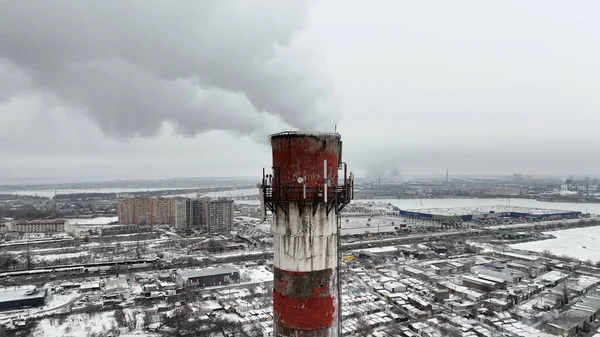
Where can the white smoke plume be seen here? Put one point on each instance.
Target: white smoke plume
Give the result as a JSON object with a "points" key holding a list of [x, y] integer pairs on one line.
{"points": [[132, 66]]}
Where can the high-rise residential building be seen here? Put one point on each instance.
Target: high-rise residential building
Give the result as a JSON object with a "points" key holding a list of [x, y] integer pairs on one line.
{"points": [[152, 211], [181, 214], [217, 215], [194, 209], [206, 214]]}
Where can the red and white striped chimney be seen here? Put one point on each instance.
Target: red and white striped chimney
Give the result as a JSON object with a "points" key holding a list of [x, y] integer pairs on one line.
{"points": [[305, 197]]}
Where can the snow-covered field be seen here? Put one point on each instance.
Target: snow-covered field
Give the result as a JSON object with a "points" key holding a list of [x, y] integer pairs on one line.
{"points": [[258, 274], [58, 300], [88, 325], [448, 203], [56, 257], [94, 221], [49, 193], [227, 193], [232, 193], [376, 224], [580, 243], [80, 325]]}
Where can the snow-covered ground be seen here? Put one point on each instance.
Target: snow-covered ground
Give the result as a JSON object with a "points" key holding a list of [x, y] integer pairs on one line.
{"points": [[56, 257], [94, 221], [228, 193], [257, 274], [232, 193], [49, 193], [360, 225], [242, 253], [448, 203], [80, 325], [57, 300], [95, 324], [580, 243]]}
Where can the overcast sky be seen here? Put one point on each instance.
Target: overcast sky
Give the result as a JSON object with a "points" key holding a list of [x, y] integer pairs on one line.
{"points": [[94, 90]]}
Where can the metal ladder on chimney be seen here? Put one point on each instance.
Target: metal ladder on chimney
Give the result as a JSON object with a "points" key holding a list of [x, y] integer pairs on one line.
{"points": [[339, 272]]}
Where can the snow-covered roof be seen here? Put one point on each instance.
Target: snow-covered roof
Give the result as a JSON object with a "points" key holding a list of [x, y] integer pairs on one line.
{"points": [[117, 285], [20, 293], [187, 274]]}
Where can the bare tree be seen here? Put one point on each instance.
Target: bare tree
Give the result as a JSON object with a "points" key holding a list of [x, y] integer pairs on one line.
{"points": [[450, 331], [363, 329], [120, 317], [565, 294], [547, 253]]}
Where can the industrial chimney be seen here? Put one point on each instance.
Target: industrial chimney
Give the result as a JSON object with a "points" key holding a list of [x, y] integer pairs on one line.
{"points": [[305, 195]]}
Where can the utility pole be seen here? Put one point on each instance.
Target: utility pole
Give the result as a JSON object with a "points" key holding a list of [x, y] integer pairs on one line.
{"points": [[447, 183], [28, 261], [137, 247], [55, 207]]}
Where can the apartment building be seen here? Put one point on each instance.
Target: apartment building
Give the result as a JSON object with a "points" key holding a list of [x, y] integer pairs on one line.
{"points": [[152, 211], [43, 226], [181, 214], [206, 214], [217, 215]]}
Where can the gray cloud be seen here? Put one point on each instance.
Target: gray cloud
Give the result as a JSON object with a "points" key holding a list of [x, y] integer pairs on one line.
{"points": [[198, 65], [112, 89]]}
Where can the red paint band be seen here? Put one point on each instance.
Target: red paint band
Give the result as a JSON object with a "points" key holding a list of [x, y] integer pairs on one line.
{"points": [[302, 156], [303, 313]]}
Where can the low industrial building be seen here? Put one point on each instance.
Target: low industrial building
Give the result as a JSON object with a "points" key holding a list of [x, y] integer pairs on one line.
{"points": [[577, 318], [20, 297], [123, 229], [487, 212], [41, 226], [495, 304], [394, 287], [507, 275], [208, 277], [89, 287], [477, 283], [551, 278]]}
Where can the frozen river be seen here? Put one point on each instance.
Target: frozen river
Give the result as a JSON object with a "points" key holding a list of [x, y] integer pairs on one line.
{"points": [[49, 193], [451, 203], [580, 243], [401, 203]]}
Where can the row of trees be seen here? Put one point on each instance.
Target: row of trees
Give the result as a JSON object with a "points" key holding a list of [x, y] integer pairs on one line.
{"points": [[183, 326], [589, 263]]}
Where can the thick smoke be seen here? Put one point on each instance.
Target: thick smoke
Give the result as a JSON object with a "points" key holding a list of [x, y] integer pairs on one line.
{"points": [[133, 66], [376, 169]]}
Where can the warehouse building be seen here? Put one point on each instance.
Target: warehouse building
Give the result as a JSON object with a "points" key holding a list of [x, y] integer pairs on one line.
{"points": [[14, 298], [579, 318], [477, 283], [487, 212], [207, 277]]}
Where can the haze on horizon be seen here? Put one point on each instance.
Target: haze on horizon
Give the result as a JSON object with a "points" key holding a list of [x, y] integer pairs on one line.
{"points": [[194, 89]]}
